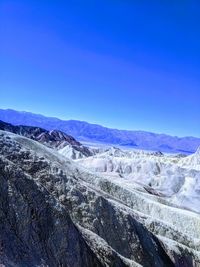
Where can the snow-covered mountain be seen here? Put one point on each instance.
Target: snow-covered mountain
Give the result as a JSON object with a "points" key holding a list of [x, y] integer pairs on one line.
{"points": [[84, 131]]}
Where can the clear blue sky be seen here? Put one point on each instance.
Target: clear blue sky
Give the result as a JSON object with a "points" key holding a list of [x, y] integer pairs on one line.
{"points": [[124, 64]]}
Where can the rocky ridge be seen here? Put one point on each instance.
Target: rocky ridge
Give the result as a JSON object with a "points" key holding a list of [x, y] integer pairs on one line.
{"points": [[66, 144], [174, 177], [105, 223]]}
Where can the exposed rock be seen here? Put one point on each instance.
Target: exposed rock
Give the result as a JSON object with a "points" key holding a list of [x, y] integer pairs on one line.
{"points": [[109, 226], [192, 161], [35, 229], [170, 176], [54, 139]]}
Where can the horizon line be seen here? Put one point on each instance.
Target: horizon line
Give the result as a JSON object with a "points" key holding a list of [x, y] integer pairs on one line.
{"points": [[91, 123]]}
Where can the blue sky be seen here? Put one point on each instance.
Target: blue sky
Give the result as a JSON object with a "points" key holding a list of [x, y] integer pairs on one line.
{"points": [[123, 64]]}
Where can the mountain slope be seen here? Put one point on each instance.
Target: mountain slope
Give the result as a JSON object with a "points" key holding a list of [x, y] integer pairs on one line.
{"points": [[84, 131], [175, 178], [103, 224], [66, 144]]}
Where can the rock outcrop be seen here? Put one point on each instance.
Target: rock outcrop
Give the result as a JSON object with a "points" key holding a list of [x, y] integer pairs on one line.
{"points": [[66, 144], [175, 177], [56, 213]]}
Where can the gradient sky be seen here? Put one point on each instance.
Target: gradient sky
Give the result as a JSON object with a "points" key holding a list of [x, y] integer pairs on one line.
{"points": [[125, 64]]}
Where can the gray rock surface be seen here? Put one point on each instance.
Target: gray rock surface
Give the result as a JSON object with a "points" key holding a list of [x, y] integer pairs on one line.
{"points": [[55, 213], [35, 229]]}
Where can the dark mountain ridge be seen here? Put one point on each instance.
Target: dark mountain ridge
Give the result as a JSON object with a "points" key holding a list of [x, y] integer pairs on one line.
{"points": [[54, 138], [84, 131]]}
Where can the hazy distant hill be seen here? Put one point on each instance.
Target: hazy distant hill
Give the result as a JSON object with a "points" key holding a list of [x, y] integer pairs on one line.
{"points": [[96, 133]]}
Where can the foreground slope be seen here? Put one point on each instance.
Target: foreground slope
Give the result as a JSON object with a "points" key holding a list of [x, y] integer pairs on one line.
{"points": [[84, 131], [63, 215]]}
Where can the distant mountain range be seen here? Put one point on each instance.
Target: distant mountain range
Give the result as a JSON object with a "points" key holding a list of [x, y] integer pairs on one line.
{"points": [[84, 131]]}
